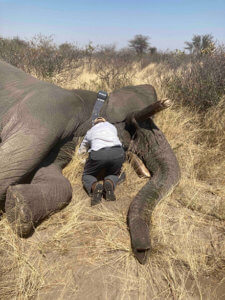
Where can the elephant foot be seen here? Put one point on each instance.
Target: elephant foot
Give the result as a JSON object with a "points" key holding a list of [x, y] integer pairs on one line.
{"points": [[18, 212], [139, 232], [141, 256]]}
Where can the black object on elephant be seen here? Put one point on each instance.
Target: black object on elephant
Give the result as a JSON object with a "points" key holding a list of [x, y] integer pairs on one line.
{"points": [[101, 97], [40, 126]]}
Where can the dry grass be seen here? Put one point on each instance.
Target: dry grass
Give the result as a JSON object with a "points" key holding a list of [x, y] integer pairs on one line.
{"points": [[84, 252]]}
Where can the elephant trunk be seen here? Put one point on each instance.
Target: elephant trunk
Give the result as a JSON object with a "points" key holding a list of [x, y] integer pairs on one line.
{"points": [[160, 160]]}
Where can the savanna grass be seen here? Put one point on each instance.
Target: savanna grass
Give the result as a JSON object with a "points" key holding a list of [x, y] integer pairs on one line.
{"points": [[80, 245]]}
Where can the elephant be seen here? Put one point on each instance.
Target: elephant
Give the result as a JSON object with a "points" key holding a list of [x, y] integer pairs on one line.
{"points": [[41, 124]]}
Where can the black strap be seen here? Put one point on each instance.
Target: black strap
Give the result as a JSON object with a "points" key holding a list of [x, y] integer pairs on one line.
{"points": [[101, 97]]}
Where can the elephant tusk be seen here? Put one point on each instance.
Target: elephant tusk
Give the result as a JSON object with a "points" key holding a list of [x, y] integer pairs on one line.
{"points": [[138, 165], [150, 110]]}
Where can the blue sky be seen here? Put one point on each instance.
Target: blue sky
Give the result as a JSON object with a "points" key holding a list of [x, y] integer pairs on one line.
{"points": [[169, 23]]}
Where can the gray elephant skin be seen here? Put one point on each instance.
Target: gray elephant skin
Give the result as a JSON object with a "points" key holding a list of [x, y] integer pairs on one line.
{"points": [[40, 125]]}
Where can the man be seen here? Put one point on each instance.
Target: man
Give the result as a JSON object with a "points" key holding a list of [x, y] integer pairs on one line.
{"points": [[105, 160]]}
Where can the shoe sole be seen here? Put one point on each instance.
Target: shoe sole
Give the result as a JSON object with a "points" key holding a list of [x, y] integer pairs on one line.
{"points": [[97, 195], [109, 193]]}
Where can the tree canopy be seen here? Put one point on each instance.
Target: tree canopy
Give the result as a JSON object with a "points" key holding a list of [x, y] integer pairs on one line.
{"points": [[201, 44], [140, 43]]}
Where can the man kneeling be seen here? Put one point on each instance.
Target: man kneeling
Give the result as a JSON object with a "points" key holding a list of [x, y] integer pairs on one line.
{"points": [[106, 156]]}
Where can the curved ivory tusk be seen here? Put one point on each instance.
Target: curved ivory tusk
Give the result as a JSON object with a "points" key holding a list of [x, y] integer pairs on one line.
{"points": [[138, 165], [166, 102]]}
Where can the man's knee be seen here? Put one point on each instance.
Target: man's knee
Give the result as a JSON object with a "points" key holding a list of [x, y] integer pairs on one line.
{"points": [[88, 181], [113, 179]]}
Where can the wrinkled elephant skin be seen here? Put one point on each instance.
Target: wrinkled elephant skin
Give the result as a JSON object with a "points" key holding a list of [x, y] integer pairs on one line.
{"points": [[40, 124]]}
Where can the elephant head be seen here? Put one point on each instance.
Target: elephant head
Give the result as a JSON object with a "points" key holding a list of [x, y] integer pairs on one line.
{"points": [[40, 121], [131, 109]]}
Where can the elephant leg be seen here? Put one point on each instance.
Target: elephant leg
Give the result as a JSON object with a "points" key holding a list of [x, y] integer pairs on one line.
{"points": [[28, 204], [21, 151]]}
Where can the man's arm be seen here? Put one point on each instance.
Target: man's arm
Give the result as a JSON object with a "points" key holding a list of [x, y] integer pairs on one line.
{"points": [[84, 145]]}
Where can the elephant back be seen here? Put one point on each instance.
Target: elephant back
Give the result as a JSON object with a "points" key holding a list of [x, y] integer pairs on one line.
{"points": [[53, 106], [13, 83], [126, 100]]}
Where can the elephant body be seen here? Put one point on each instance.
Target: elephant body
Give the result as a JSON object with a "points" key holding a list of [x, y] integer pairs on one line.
{"points": [[35, 122], [39, 122]]}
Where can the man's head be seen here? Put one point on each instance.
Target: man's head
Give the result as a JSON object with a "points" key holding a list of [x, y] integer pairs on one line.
{"points": [[99, 120]]}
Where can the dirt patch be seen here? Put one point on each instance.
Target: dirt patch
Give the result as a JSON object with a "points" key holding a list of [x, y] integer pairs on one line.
{"points": [[84, 252]]}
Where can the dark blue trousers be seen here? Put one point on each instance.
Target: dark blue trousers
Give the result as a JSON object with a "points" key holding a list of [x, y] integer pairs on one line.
{"points": [[103, 164]]}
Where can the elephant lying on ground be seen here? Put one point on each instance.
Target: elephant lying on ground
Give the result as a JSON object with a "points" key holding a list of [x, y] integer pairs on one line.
{"points": [[40, 122]]}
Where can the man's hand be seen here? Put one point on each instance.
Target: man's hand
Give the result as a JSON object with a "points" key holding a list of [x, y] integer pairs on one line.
{"points": [[82, 150]]}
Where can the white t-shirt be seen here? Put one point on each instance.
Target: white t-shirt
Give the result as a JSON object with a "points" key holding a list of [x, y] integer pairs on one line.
{"points": [[101, 135]]}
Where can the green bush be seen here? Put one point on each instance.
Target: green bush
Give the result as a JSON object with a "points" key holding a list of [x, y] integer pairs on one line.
{"points": [[201, 82], [113, 68], [14, 51], [40, 55]]}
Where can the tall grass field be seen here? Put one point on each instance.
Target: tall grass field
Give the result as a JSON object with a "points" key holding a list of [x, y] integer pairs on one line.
{"points": [[84, 252]]}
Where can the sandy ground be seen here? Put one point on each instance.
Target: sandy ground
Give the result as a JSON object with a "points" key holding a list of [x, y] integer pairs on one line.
{"points": [[84, 252]]}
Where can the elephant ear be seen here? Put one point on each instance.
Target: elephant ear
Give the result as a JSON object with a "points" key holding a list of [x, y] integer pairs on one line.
{"points": [[127, 100]]}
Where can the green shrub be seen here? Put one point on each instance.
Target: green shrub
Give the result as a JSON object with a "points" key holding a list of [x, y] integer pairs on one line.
{"points": [[14, 51], [201, 82], [114, 69], [39, 56]]}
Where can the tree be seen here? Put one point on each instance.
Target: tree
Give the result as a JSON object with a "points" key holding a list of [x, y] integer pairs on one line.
{"points": [[139, 43], [66, 47], [201, 44], [152, 50]]}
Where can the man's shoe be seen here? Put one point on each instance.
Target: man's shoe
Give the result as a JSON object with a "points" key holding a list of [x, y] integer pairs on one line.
{"points": [[109, 191], [97, 194]]}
